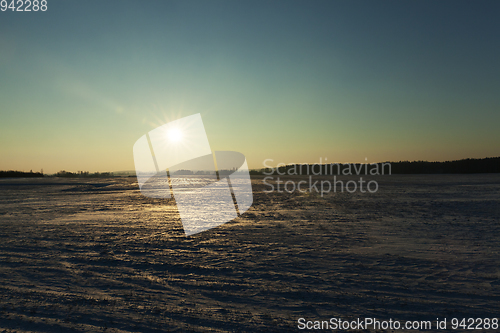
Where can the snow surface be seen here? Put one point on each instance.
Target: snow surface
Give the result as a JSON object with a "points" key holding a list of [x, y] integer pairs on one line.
{"points": [[92, 255]]}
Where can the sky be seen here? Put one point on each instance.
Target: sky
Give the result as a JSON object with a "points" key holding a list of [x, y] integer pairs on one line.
{"points": [[287, 81]]}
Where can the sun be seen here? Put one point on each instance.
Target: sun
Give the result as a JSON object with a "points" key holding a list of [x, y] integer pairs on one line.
{"points": [[174, 135]]}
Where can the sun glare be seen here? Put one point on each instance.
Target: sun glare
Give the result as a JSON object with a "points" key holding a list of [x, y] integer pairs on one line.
{"points": [[174, 135]]}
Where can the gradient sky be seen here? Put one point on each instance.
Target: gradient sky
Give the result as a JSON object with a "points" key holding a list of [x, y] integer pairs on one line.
{"points": [[291, 81]]}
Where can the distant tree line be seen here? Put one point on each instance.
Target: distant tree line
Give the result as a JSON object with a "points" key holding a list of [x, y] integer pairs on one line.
{"points": [[469, 165], [203, 172], [20, 174], [190, 172], [83, 174]]}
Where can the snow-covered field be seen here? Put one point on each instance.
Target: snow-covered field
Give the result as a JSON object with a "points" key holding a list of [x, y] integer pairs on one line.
{"points": [[95, 255]]}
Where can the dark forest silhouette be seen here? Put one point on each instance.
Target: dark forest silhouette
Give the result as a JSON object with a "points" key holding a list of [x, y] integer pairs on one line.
{"points": [[18, 174], [83, 174], [469, 165], [64, 174]]}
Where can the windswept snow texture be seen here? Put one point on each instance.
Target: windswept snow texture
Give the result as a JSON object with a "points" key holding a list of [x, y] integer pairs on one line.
{"points": [[94, 255]]}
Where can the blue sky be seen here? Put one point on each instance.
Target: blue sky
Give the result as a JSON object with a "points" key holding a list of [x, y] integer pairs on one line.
{"points": [[292, 81]]}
